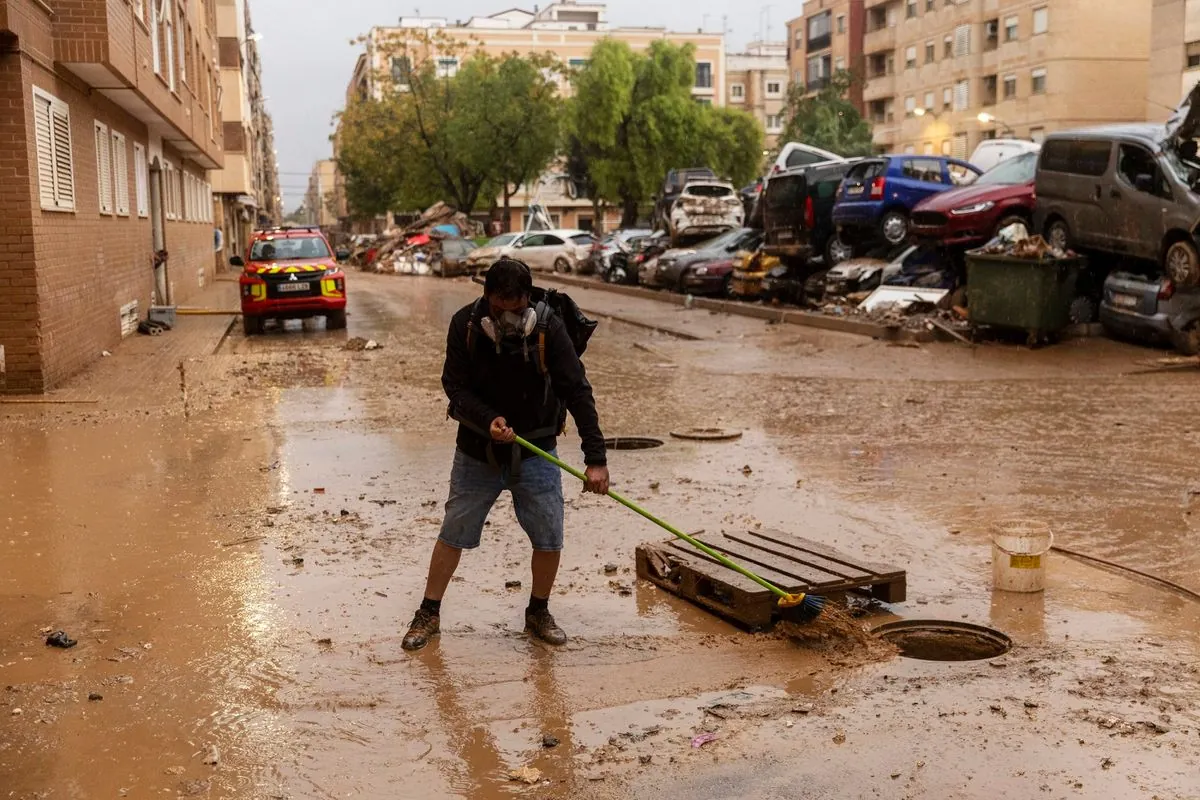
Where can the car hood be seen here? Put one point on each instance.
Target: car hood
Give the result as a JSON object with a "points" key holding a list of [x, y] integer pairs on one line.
{"points": [[290, 267], [1184, 124], [855, 268], [970, 195]]}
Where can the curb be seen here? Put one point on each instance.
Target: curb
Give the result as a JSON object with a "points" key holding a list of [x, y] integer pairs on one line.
{"points": [[770, 314]]}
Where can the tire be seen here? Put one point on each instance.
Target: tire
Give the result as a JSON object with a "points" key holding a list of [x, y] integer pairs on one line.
{"points": [[253, 325], [561, 265], [837, 251], [335, 320], [1058, 235], [1181, 263], [814, 287], [1011, 219], [1187, 341], [727, 287], [894, 227], [1083, 311]]}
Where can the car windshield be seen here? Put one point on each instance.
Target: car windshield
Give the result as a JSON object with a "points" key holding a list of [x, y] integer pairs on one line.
{"points": [[724, 241], [289, 249], [503, 239], [1186, 171], [1011, 171]]}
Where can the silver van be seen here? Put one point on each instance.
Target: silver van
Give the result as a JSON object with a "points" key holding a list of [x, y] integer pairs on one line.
{"points": [[1123, 189]]}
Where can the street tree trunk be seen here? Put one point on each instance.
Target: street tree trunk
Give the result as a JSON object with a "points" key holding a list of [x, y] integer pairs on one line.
{"points": [[629, 211]]}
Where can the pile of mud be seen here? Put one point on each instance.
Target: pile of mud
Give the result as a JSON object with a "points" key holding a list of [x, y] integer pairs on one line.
{"points": [[838, 636]]}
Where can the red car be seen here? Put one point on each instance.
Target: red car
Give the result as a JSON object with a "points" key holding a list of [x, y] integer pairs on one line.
{"points": [[290, 273], [971, 215]]}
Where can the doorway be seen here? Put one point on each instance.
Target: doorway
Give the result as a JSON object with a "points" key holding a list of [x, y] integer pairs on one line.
{"points": [[158, 236]]}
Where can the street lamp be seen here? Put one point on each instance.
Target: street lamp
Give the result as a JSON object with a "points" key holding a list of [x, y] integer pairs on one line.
{"points": [[990, 119]]}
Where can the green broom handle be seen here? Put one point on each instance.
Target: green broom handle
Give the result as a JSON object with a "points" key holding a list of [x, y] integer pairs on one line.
{"points": [[632, 506]]}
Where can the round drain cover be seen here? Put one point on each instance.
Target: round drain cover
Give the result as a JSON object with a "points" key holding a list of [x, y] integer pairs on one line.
{"points": [[707, 434], [944, 640], [632, 443]]}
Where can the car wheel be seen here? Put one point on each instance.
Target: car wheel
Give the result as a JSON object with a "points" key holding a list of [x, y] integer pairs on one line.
{"points": [[1187, 341], [615, 275], [727, 286], [1058, 235], [894, 227], [814, 287], [1083, 311], [563, 266], [1182, 264], [335, 320], [252, 325], [837, 250], [1011, 219]]}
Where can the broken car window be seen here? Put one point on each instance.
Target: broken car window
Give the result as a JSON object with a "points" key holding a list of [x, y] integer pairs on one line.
{"points": [[1134, 161], [1011, 171], [707, 190]]}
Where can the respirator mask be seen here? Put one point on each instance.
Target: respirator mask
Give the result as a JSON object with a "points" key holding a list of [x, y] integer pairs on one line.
{"points": [[511, 325]]}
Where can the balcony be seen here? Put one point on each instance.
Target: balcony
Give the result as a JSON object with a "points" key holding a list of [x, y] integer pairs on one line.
{"points": [[880, 39], [822, 42], [817, 84], [882, 88]]}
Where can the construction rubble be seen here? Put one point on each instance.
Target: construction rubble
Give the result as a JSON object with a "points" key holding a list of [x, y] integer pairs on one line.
{"points": [[416, 248]]}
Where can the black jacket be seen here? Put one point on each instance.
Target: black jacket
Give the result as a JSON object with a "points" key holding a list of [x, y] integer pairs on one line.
{"points": [[485, 384]]}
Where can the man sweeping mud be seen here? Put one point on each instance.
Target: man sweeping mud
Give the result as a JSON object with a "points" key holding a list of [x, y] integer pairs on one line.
{"points": [[511, 368]]}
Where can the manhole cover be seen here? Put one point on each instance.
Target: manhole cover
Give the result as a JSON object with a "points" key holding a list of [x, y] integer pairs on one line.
{"points": [[707, 434], [632, 443], [944, 640]]}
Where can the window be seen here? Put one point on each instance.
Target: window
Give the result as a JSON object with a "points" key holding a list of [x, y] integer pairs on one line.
{"points": [[910, 9], [928, 149], [947, 98], [962, 40], [52, 131], [1038, 82], [929, 6], [819, 30], [577, 63], [1078, 157], [910, 58], [141, 180], [155, 52], [1138, 169], [945, 147], [948, 46], [928, 101], [1041, 20], [182, 49], [104, 177], [1010, 87], [774, 89], [959, 148], [168, 173], [1010, 29], [447, 67], [401, 70], [910, 105], [841, 23], [120, 168], [989, 90], [909, 149], [169, 38], [930, 52], [774, 123], [737, 91], [818, 72], [1193, 60], [961, 175], [704, 74], [991, 35], [962, 95], [839, 64], [926, 170]]}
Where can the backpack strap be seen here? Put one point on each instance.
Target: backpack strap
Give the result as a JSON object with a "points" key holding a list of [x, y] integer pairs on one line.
{"points": [[472, 324]]}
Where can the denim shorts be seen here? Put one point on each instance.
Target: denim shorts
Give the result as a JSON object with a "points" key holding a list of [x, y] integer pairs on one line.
{"points": [[476, 485]]}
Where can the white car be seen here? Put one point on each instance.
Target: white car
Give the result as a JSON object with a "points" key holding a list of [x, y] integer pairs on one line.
{"points": [[705, 208], [544, 251], [795, 154], [991, 152]]}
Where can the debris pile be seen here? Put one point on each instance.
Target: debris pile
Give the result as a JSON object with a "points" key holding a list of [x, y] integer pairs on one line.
{"points": [[416, 248], [1015, 242]]}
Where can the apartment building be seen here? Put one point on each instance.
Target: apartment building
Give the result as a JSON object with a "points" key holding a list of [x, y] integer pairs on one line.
{"points": [[758, 84], [569, 30], [109, 129], [828, 39], [247, 187], [1174, 55], [942, 75], [321, 200]]}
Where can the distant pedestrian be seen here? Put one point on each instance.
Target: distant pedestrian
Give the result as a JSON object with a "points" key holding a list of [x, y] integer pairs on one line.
{"points": [[497, 387]]}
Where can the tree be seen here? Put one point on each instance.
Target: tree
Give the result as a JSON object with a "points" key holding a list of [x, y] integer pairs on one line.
{"points": [[828, 119], [734, 141]]}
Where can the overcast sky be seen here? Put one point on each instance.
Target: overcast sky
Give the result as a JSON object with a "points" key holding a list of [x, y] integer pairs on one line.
{"points": [[307, 55]]}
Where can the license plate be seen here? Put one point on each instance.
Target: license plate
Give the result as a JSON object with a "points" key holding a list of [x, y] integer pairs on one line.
{"points": [[1125, 300], [854, 189], [294, 287]]}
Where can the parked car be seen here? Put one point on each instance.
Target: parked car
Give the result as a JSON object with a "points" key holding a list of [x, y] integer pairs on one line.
{"points": [[671, 189], [798, 213], [455, 258], [543, 251], [795, 154], [991, 152], [625, 264], [602, 251], [970, 216], [290, 273], [1123, 189], [878, 194], [704, 209], [1152, 310], [705, 269], [750, 195]]}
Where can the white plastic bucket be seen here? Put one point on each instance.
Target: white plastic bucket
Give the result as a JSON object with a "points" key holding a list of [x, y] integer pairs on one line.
{"points": [[1019, 552]]}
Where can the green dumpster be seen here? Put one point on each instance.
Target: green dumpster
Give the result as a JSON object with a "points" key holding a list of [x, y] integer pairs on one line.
{"points": [[1033, 295]]}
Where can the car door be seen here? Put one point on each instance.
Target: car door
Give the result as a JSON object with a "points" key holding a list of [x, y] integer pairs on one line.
{"points": [[1091, 186], [920, 178], [1138, 202], [540, 250]]}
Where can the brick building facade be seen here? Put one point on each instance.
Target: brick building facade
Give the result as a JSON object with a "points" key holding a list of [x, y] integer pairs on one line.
{"points": [[107, 137]]}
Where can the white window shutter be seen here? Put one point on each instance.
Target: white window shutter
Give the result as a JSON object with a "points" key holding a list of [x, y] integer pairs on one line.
{"points": [[120, 164], [962, 40], [959, 149], [44, 135], [962, 96], [141, 180], [64, 173], [104, 168]]}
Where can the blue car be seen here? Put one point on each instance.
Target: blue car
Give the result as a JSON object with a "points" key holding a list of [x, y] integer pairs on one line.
{"points": [[878, 194]]}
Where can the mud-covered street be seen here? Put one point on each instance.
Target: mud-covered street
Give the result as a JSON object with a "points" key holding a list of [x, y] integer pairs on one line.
{"points": [[238, 560]]}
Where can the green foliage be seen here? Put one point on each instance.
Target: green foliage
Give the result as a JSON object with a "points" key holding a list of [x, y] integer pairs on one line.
{"points": [[734, 143], [828, 119]]}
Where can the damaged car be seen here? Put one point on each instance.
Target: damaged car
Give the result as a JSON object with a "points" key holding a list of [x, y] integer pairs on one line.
{"points": [[703, 209], [798, 213], [970, 216], [678, 268]]}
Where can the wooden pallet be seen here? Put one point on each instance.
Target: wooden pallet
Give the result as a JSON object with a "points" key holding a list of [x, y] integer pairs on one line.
{"points": [[791, 563]]}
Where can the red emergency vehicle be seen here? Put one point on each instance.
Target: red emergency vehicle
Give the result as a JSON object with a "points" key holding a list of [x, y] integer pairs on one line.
{"points": [[290, 273]]}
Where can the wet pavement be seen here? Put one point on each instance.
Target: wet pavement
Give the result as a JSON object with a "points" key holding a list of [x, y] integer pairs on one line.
{"points": [[239, 579]]}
